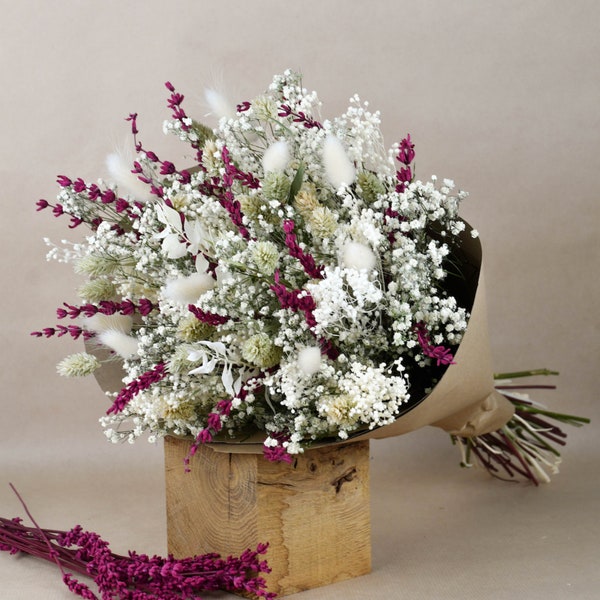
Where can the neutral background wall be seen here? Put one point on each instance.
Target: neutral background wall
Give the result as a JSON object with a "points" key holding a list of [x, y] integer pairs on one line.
{"points": [[502, 96]]}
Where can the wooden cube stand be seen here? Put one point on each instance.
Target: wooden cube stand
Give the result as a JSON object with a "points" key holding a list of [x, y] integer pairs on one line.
{"points": [[314, 514]]}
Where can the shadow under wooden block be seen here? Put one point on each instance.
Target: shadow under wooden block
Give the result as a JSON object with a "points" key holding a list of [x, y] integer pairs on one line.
{"points": [[314, 514]]}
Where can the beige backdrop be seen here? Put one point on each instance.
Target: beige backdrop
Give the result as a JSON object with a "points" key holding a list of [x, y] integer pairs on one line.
{"points": [[502, 96]]}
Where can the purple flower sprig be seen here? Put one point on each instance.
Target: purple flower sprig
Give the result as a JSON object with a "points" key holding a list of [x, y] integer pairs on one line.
{"points": [[206, 317], [278, 453], [163, 167], [443, 356], [116, 210], [60, 330], [221, 190], [174, 103], [285, 110], [295, 300], [406, 155], [106, 307], [58, 210], [135, 576], [232, 172], [214, 425], [143, 382], [302, 301], [307, 261]]}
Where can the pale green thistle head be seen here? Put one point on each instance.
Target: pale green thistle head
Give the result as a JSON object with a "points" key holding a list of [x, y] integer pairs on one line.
{"points": [[323, 222], [203, 132], [306, 200], [276, 186], [191, 329], [265, 108], [250, 205], [265, 256], [179, 361], [259, 350]]}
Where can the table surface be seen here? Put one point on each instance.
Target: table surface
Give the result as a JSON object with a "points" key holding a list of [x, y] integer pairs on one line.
{"points": [[438, 531]]}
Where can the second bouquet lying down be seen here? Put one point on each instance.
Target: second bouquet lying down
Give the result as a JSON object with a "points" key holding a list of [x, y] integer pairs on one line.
{"points": [[297, 282]]}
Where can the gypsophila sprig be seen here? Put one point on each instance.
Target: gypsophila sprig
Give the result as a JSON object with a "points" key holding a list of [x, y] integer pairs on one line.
{"points": [[294, 280]]}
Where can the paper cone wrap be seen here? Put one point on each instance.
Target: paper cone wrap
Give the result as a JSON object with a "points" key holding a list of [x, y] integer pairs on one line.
{"points": [[464, 402]]}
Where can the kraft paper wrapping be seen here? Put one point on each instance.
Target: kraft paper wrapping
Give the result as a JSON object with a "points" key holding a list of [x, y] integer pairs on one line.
{"points": [[464, 401]]}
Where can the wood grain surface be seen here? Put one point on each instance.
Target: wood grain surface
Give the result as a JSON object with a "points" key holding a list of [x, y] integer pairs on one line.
{"points": [[314, 514]]}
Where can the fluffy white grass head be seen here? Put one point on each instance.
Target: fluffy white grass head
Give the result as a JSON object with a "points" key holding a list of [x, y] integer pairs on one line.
{"points": [[338, 168], [119, 165], [276, 157], [309, 359], [358, 256], [124, 345], [116, 322], [218, 104], [187, 290]]}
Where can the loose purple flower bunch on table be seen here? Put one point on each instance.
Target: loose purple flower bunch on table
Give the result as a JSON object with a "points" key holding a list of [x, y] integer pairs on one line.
{"points": [[135, 576]]}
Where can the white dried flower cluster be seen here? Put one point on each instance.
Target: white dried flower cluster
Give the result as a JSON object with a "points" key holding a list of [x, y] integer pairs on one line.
{"points": [[295, 278]]}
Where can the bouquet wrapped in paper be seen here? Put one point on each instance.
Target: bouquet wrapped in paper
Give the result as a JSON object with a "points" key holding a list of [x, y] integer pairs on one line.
{"points": [[294, 289], [296, 286]]}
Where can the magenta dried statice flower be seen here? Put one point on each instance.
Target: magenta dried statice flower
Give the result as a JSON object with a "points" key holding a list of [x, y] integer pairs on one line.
{"points": [[406, 155], [443, 356], [60, 330], [299, 117], [143, 382], [311, 268], [106, 307]]}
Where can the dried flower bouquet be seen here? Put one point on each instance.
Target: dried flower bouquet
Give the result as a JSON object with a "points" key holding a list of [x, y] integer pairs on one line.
{"points": [[296, 281], [296, 286]]}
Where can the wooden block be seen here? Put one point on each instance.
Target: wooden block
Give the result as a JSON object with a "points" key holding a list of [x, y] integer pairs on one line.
{"points": [[315, 514]]}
